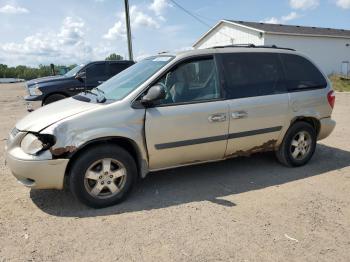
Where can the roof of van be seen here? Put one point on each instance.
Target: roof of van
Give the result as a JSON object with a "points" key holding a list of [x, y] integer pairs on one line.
{"points": [[112, 61], [233, 49]]}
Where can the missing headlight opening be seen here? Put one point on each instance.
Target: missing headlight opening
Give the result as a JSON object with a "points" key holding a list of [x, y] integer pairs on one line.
{"points": [[47, 140]]}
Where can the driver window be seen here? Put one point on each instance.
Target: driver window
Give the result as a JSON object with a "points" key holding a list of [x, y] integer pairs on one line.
{"points": [[191, 81]]}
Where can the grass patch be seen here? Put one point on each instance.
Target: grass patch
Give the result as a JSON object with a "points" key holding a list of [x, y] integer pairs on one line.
{"points": [[340, 84]]}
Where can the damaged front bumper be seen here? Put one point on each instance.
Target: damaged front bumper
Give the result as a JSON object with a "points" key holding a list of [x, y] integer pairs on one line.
{"points": [[39, 172]]}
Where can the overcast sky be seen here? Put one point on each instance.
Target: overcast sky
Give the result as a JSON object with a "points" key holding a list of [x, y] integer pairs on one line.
{"points": [[75, 31]]}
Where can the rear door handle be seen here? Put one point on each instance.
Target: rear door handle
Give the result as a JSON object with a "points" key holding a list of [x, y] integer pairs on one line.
{"points": [[221, 117], [239, 114], [100, 82]]}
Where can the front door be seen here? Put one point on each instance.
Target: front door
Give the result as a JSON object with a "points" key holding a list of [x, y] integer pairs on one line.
{"points": [[258, 101], [191, 124]]}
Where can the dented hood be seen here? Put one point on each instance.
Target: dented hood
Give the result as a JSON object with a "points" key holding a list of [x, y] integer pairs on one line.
{"points": [[52, 113]]}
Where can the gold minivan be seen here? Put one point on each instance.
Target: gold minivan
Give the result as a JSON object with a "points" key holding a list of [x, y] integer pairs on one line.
{"points": [[170, 110]]}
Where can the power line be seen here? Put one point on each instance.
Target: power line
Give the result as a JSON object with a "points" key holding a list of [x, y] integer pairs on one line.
{"points": [[189, 13], [198, 19], [205, 17]]}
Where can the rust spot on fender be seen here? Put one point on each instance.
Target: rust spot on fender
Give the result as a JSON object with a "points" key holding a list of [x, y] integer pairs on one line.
{"points": [[268, 146], [62, 150]]}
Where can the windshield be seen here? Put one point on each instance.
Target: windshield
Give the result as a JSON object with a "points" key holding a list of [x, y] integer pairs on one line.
{"points": [[74, 71], [128, 80]]}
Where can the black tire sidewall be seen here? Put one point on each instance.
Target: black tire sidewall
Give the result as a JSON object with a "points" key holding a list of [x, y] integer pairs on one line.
{"points": [[53, 98], [84, 161], [297, 127]]}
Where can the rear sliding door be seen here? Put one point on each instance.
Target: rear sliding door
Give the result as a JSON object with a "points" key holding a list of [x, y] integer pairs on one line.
{"points": [[258, 101]]}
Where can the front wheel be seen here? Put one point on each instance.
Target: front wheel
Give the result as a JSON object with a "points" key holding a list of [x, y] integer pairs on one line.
{"points": [[103, 176], [298, 145], [53, 98]]}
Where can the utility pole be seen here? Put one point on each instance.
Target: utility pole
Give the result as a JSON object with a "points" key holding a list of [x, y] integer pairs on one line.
{"points": [[128, 29]]}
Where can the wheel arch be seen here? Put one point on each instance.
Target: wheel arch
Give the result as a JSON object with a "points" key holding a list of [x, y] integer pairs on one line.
{"points": [[129, 145], [313, 121]]}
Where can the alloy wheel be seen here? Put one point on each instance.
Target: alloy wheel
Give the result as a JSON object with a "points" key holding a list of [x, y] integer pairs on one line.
{"points": [[301, 145], [105, 178]]}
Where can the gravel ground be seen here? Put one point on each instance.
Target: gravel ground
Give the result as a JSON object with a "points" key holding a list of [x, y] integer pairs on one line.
{"points": [[246, 209]]}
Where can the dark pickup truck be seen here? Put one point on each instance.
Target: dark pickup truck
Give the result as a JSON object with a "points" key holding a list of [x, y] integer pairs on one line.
{"points": [[43, 91]]}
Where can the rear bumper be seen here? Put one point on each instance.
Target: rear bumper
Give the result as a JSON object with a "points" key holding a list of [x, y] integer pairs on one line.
{"points": [[38, 174], [327, 126]]}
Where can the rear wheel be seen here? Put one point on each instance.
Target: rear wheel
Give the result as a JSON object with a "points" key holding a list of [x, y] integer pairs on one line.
{"points": [[53, 98], [103, 176], [298, 145]]}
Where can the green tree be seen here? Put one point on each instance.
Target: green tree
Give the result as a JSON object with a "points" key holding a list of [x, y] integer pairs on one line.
{"points": [[26, 72], [3, 69], [114, 56], [72, 66]]}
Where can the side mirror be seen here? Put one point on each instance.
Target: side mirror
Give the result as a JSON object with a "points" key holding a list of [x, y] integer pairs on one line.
{"points": [[81, 76], [154, 94]]}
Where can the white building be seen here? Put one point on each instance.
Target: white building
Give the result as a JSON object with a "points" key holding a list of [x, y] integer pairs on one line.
{"points": [[329, 48]]}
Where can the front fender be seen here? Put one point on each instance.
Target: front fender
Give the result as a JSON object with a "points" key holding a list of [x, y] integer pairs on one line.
{"points": [[73, 133]]}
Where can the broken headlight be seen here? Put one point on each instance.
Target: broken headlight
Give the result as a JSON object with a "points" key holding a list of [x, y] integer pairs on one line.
{"points": [[32, 144]]}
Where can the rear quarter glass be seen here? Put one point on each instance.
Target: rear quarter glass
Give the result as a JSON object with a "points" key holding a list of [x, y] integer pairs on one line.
{"points": [[301, 74]]}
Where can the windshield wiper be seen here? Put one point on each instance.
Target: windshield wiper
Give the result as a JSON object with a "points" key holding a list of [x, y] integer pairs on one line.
{"points": [[101, 94], [89, 92], [99, 90]]}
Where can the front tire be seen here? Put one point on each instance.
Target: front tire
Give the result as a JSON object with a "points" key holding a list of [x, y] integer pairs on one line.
{"points": [[298, 145], [53, 98], [103, 176]]}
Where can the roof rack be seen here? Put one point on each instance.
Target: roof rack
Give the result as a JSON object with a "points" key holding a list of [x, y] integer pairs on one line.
{"points": [[254, 46]]}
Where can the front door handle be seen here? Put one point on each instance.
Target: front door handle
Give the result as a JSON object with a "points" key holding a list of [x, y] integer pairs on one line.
{"points": [[221, 117], [239, 114], [100, 82]]}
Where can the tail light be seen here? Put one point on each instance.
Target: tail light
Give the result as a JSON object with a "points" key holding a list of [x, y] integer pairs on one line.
{"points": [[331, 98]]}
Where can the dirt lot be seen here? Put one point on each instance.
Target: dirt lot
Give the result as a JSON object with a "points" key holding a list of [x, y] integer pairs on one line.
{"points": [[246, 209]]}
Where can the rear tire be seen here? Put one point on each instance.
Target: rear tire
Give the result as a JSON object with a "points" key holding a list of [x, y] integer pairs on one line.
{"points": [[103, 176], [298, 145], [53, 98]]}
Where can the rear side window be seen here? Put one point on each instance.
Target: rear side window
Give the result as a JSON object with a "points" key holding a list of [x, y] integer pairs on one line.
{"points": [[301, 74], [116, 68], [252, 74]]}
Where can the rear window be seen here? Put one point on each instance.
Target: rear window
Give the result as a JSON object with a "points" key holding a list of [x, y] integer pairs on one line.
{"points": [[252, 74], [301, 74]]}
